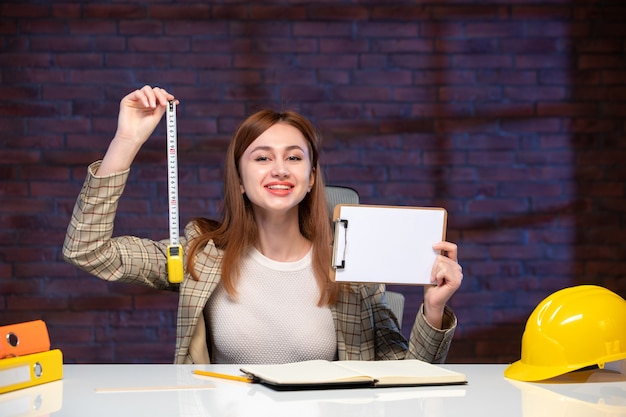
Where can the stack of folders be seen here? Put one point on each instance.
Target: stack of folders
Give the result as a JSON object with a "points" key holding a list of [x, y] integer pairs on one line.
{"points": [[26, 359]]}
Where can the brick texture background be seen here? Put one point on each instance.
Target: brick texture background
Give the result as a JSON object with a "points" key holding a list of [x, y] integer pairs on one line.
{"points": [[508, 113]]}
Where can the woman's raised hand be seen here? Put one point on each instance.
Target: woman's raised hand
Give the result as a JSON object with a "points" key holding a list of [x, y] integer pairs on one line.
{"points": [[140, 113], [446, 278]]}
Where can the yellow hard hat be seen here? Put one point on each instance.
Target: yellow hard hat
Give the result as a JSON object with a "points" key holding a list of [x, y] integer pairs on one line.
{"points": [[569, 330]]}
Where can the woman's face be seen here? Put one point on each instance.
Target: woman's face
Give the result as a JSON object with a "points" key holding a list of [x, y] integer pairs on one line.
{"points": [[276, 170]]}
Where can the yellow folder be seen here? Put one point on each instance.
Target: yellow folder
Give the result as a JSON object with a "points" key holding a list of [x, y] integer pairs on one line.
{"points": [[30, 370]]}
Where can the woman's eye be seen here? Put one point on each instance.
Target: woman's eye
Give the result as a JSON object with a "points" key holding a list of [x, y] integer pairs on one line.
{"points": [[261, 159], [294, 158]]}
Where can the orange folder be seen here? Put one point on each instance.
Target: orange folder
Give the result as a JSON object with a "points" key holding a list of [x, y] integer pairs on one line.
{"points": [[23, 339]]}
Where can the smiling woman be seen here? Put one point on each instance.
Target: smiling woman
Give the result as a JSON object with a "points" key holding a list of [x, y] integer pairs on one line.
{"points": [[257, 287], [272, 162]]}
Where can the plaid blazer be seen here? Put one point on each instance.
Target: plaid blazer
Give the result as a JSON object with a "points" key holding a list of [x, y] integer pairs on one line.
{"points": [[366, 328]]}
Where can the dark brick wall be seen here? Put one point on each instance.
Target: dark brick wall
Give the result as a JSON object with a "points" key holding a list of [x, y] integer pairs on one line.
{"points": [[508, 113]]}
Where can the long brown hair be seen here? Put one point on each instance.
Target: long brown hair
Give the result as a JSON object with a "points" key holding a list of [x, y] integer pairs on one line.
{"points": [[237, 230]]}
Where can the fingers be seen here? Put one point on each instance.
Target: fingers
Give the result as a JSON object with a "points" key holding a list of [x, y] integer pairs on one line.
{"points": [[450, 249], [446, 271], [140, 112], [150, 96], [446, 268]]}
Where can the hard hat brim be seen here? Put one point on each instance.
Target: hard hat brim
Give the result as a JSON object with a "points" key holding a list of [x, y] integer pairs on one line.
{"points": [[521, 371]]}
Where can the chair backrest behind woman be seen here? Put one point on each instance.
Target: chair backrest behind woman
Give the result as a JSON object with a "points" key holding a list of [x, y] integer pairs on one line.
{"points": [[336, 194]]}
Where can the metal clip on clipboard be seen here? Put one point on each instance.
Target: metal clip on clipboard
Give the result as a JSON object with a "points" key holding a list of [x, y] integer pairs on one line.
{"points": [[340, 239]]}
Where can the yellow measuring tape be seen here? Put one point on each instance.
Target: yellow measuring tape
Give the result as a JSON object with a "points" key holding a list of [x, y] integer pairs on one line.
{"points": [[175, 272]]}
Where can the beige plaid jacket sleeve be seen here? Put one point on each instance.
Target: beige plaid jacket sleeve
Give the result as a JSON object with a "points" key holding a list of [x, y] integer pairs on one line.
{"points": [[366, 328]]}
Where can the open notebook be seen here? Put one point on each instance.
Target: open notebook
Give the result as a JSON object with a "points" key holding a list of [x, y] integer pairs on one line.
{"points": [[320, 374]]}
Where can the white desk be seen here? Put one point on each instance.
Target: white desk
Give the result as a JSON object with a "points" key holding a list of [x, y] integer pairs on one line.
{"points": [[488, 393]]}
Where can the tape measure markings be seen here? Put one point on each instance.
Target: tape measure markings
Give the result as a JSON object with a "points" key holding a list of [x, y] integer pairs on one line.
{"points": [[174, 250]]}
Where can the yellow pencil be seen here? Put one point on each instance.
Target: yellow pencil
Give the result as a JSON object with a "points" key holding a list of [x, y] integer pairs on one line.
{"points": [[223, 376]]}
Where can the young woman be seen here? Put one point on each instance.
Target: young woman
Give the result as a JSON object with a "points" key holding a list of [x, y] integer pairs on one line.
{"points": [[256, 287]]}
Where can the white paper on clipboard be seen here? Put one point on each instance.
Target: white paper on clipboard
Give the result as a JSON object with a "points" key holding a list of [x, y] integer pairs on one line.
{"points": [[386, 244]]}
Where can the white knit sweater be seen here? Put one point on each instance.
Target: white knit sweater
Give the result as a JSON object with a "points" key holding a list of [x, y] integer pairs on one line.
{"points": [[274, 318]]}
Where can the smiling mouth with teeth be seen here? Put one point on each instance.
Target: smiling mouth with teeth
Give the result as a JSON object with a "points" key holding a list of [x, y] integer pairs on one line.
{"points": [[278, 187]]}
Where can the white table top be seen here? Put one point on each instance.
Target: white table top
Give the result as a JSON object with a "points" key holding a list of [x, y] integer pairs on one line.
{"points": [[172, 390]]}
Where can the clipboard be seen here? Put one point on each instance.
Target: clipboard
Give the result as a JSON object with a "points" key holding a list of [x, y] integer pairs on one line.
{"points": [[386, 244]]}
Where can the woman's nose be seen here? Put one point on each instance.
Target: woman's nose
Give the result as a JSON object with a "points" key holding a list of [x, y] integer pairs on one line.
{"points": [[280, 170]]}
